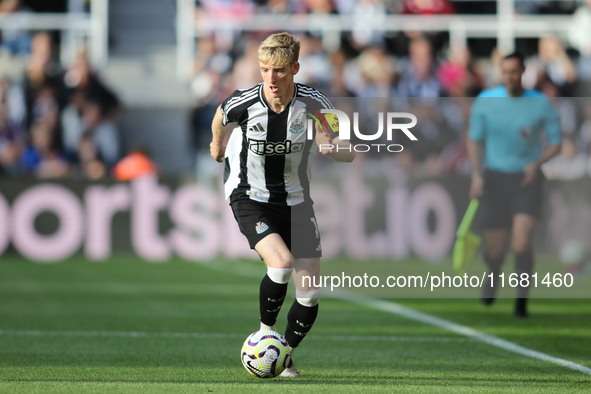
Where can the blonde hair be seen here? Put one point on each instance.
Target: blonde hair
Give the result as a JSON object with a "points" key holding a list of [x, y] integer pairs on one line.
{"points": [[279, 49]]}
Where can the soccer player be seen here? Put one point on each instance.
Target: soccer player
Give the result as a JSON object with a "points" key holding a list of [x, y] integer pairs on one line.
{"points": [[267, 180], [517, 130]]}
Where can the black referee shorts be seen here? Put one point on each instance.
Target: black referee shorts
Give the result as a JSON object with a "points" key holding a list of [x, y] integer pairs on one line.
{"points": [[504, 196], [296, 225]]}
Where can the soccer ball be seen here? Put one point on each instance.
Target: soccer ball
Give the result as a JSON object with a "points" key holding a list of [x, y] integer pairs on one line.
{"points": [[265, 354]]}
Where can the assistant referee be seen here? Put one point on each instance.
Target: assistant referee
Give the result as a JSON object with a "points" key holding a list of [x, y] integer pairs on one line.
{"points": [[515, 131]]}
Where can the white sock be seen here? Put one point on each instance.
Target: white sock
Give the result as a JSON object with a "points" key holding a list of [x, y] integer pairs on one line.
{"points": [[291, 358], [265, 327]]}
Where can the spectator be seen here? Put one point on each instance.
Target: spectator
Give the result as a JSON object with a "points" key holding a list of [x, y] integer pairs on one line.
{"points": [[11, 142], [437, 39], [225, 9], [565, 106], [320, 7], [41, 158], [42, 78], [13, 95], [434, 134], [72, 124], [282, 7], [338, 85], [552, 60], [458, 76], [377, 71], [246, 70], [454, 158], [571, 164], [368, 15], [417, 74], [315, 67], [15, 41], [584, 133], [428, 7], [90, 164], [102, 130], [45, 107], [210, 67], [86, 90]]}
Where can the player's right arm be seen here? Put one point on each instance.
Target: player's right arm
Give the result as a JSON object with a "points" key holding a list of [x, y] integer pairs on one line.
{"points": [[230, 112], [217, 147], [553, 143]]}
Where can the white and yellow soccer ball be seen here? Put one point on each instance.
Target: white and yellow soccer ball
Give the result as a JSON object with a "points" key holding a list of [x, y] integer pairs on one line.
{"points": [[265, 354]]}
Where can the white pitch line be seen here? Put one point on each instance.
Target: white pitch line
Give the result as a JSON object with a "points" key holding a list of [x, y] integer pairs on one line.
{"points": [[397, 309], [202, 335]]}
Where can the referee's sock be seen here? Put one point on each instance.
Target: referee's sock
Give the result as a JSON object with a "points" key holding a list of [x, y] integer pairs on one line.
{"points": [[489, 290], [271, 295], [524, 263]]}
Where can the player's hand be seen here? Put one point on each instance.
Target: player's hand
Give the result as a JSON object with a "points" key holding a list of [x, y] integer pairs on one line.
{"points": [[530, 173], [217, 151], [324, 140], [477, 186]]}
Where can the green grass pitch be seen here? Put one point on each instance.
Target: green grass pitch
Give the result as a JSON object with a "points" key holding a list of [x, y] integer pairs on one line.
{"points": [[128, 326]]}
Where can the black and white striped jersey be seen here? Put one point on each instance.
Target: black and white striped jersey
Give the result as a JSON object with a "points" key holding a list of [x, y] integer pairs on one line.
{"points": [[268, 154]]}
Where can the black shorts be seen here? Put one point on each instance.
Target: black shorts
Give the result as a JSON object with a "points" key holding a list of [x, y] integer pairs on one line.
{"points": [[296, 225], [504, 196]]}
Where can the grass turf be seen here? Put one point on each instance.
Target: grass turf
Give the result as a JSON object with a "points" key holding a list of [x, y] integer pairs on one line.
{"points": [[130, 326]]}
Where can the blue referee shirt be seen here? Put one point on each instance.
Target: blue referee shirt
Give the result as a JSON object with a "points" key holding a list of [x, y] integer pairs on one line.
{"points": [[514, 129]]}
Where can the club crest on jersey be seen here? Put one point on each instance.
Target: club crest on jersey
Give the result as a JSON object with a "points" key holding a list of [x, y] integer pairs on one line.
{"points": [[261, 227], [262, 147], [298, 125]]}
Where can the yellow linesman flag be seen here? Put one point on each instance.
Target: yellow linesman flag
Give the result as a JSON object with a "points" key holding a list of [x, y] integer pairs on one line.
{"points": [[467, 242]]}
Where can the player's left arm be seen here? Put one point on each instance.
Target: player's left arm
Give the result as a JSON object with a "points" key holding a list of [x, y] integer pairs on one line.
{"points": [[553, 144], [327, 129], [340, 150]]}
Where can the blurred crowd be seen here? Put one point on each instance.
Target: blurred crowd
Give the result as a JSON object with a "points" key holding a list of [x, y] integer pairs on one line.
{"points": [[57, 122], [406, 65], [242, 8], [62, 120]]}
